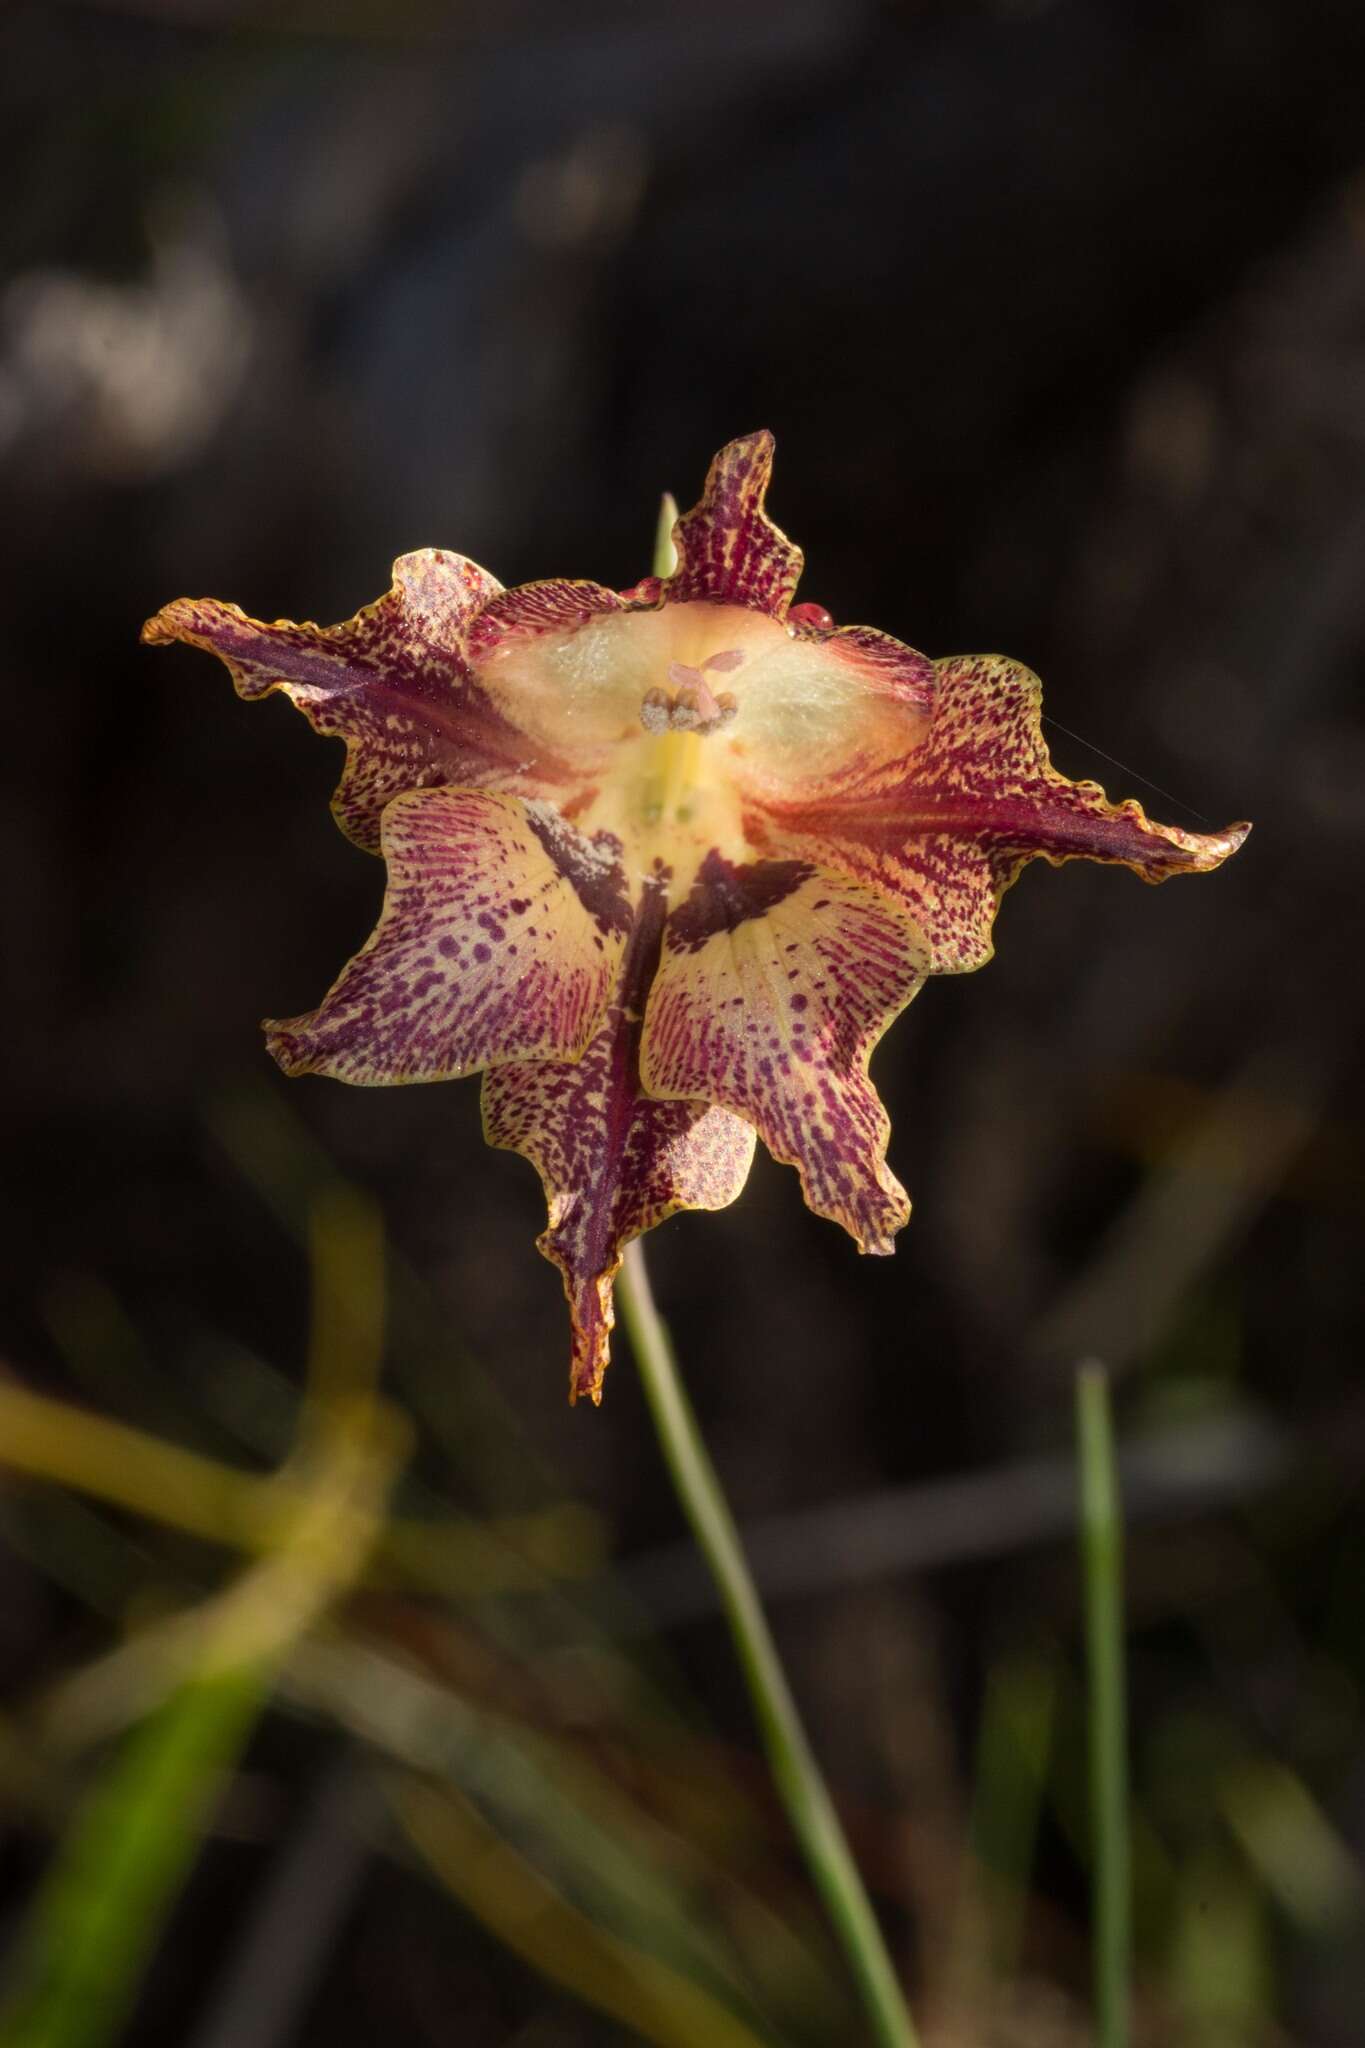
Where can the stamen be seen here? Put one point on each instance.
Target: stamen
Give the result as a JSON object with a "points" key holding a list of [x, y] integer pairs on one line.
{"points": [[656, 712], [695, 706]]}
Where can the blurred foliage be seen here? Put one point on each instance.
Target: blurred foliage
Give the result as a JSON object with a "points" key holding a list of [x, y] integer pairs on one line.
{"points": [[549, 1772]]}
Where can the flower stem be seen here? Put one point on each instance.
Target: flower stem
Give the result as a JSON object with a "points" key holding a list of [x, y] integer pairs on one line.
{"points": [[1102, 1558], [794, 1769]]}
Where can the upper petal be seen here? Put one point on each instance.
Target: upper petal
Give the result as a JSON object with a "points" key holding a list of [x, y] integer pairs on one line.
{"points": [[943, 825], [775, 984], [729, 551], [500, 938], [395, 682]]}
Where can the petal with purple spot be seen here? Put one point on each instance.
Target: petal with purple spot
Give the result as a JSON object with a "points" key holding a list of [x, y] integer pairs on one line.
{"points": [[500, 939], [395, 683], [729, 551], [613, 1163], [775, 984], [943, 826]]}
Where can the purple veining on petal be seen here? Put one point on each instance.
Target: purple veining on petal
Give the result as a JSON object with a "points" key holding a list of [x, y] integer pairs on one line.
{"points": [[944, 828], [485, 951], [882, 663], [554, 605], [613, 1162], [395, 683], [775, 1016], [729, 551]]}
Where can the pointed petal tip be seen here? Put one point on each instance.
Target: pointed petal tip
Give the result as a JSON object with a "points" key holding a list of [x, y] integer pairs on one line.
{"points": [[883, 1245], [729, 551], [166, 625], [593, 1317], [750, 455], [1204, 851], [285, 1047]]}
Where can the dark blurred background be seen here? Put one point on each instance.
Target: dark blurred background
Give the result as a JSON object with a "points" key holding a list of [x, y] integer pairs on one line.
{"points": [[1057, 312]]}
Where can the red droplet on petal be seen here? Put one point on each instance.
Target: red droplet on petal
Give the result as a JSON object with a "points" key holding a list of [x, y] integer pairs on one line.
{"points": [[813, 615]]}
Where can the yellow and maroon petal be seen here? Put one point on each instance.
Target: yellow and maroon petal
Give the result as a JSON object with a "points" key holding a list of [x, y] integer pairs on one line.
{"points": [[613, 1163], [556, 605], [945, 827], [501, 938], [729, 551], [775, 984], [395, 683], [883, 664]]}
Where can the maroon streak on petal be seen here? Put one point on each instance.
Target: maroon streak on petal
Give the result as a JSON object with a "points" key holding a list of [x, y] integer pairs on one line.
{"points": [[725, 896], [554, 606], [729, 551], [499, 940], [775, 1014], [598, 882], [885, 665], [944, 829], [613, 1163], [394, 682]]}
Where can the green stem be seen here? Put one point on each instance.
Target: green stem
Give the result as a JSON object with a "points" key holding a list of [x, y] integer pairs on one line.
{"points": [[794, 1769], [1102, 1557]]}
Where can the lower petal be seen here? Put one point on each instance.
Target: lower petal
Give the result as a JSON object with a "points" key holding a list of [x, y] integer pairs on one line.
{"points": [[500, 938], [776, 982], [613, 1163]]}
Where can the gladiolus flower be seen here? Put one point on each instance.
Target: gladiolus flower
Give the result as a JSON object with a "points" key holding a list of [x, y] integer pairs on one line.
{"points": [[665, 863]]}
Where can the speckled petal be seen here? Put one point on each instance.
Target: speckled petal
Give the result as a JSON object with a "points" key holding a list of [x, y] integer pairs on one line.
{"points": [[776, 982], [613, 1162], [501, 938], [943, 828], [729, 551], [556, 605], [395, 682]]}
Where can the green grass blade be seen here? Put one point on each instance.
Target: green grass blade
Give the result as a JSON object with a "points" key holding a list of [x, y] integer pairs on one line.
{"points": [[118, 1869], [1102, 1559]]}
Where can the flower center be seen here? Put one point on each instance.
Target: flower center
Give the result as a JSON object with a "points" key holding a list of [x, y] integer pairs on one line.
{"points": [[692, 705]]}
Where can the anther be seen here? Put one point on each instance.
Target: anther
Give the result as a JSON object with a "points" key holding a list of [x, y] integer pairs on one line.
{"points": [[692, 706], [656, 712]]}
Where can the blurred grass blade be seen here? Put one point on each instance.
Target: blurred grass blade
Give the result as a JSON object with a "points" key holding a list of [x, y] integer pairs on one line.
{"points": [[121, 1865], [1288, 1839], [665, 553], [1102, 1559], [1221, 1968], [536, 1922], [203, 1676], [464, 1408], [1009, 1785], [55, 1440], [637, 1878]]}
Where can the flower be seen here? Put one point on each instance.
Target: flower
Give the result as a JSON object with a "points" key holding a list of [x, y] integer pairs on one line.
{"points": [[665, 863]]}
